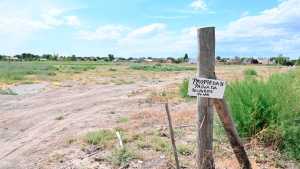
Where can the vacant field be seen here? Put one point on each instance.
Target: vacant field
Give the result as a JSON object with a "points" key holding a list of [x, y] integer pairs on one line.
{"points": [[71, 122]]}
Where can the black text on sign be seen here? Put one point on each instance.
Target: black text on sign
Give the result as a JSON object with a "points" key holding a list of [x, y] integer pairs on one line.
{"points": [[209, 88]]}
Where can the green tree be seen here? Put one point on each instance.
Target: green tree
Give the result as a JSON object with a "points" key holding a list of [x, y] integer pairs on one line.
{"points": [[281, 60], [2, 57], [186, 57], [111, 57], [298, 61], [73, 58]]}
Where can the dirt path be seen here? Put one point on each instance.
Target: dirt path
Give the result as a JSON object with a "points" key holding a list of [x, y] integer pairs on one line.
{"points": [[32, 125]]}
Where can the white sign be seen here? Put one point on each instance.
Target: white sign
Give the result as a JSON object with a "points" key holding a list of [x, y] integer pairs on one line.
{"points": [[209, 88]]}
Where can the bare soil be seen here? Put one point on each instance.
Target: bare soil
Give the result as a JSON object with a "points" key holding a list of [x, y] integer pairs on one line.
{"points": [[34, 125]]}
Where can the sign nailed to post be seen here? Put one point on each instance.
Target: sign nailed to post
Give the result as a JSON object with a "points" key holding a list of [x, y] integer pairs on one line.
{"points": [[209, 88]]}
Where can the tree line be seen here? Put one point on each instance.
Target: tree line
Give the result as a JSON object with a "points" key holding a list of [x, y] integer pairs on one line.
{"points": [[109, 57], [280, 59], [33, 57]]}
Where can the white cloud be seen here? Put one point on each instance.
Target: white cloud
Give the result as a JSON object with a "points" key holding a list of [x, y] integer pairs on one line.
{"points": [[148, 40], [21, 17], [158, 40], [147, 30], [198, 5], [106, 32], [19, 20], [72, 21], [264, 32], [52, 17]]}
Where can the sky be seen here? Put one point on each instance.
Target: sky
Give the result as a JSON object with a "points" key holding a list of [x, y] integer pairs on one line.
{"points": [[149, 28]]}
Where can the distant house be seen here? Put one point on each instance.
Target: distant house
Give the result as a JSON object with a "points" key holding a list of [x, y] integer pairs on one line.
{"points": [[133, 60], [168, 61], [248, 61], [234, 61], [266, 61], [43, 59], [12, 58], [148, 60]]}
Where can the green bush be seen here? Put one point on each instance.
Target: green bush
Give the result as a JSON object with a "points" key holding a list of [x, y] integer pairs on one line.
{"points": [[268, 109], [250, 72], [121, 157], [7, 92], [184, 87], [100, 137], [185, 150]]}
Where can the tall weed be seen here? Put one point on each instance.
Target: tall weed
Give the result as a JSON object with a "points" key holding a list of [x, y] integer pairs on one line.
{"points": [[268, 110]]}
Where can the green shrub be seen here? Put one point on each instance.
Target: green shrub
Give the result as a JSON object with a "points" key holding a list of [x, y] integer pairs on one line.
{"points": [[101, 137], [123, 120], [250, 72], [268, 109], [184, 150], [160, 144], [7, 92], [122, 156], [184, 87]]}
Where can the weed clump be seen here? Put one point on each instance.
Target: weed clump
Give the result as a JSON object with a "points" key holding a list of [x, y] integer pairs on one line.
{"points": [[184, 87], [121, 157], [268, 109], [184, 150], [250, 72], [123, 120], [7, 92], [100, 137]]}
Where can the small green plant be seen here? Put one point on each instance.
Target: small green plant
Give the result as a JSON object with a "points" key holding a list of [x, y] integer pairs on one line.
{"points": [[250, 72], [7, 92], [100, 137], [184, 150], [121, 157], [160, 144], [184, 87], [123, 120], [51, 74]]}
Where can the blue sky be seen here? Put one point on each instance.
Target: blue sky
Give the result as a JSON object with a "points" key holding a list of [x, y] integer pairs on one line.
{"points": [[143, 28]]}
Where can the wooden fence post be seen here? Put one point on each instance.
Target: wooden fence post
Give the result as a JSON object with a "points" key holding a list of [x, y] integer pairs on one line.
{"points": [[206, 69], [172, 136]]}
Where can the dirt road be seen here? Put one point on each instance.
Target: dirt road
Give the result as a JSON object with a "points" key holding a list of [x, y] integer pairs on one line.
{"points": [[32, 125]]}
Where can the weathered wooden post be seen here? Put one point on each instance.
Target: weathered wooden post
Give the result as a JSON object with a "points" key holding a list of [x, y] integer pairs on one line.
{"points": [[172, 136], [206, 69], [210, 92]]}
